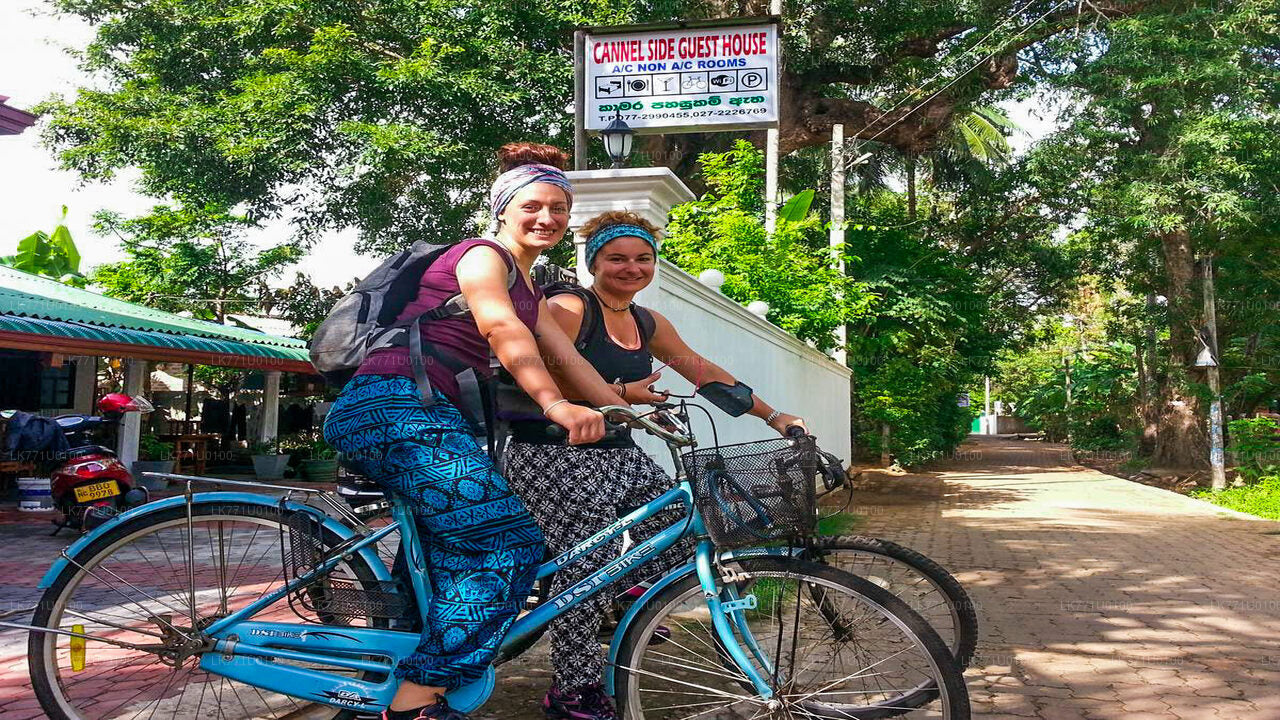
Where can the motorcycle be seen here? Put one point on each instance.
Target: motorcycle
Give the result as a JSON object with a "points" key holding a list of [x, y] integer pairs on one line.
{"points": [[89, 485]]}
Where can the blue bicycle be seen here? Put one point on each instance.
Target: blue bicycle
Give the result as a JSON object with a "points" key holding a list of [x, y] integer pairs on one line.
{"points": [[242, 605]]}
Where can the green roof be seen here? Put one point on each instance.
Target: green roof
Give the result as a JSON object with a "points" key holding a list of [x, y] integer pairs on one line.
{"points": [[41, 306]]}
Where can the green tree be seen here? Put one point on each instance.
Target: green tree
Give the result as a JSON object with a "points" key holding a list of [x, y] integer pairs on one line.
{"points": [[927, 337], [303, 303], [383, 115], [50, 254], [792, 271], [1171, 137], [181, 260]]}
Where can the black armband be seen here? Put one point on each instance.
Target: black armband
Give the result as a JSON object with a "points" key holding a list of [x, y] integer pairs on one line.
{"points": [[734, 399]]}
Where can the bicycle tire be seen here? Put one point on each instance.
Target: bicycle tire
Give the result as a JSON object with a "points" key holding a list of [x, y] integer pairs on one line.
{"points": [[962, 633], [42, 647], [945, 695]]}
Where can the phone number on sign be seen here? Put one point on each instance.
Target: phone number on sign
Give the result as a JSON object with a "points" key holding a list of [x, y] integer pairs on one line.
{"points": [[696, 114]]}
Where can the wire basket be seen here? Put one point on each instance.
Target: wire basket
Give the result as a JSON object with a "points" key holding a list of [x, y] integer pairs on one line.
{"points": [[755, 492]]}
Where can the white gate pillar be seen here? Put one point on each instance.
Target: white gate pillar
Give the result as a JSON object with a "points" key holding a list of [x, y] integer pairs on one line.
{"points": [[130, 428], [269, 423]]}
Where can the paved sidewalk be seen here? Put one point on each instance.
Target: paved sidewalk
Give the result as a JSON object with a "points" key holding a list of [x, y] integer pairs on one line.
{"points": [[1097, 597]]}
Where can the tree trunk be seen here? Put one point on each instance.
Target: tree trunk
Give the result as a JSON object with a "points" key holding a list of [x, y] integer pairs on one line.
{"points": [[911, 187], [1181, 441], [1148, 408]]}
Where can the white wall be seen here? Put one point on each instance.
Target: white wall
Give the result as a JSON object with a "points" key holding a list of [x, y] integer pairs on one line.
{"points": [[786, 372]]}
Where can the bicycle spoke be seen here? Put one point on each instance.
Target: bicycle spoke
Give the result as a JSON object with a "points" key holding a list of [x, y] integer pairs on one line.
{"points": [[135, 599], [834, 653]]}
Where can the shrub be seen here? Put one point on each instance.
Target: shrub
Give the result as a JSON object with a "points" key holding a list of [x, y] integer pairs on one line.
{"points": [[1255, 447]]}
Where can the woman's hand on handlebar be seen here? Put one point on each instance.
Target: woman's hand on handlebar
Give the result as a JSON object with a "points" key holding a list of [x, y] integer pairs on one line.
{"points": [[784, 421], [585, 425]]}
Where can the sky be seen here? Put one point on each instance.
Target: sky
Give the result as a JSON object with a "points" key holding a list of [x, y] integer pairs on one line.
{"points": [[33, 65]]}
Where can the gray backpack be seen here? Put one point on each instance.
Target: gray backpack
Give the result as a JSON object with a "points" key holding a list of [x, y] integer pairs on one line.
{"points": [[365, 320]]}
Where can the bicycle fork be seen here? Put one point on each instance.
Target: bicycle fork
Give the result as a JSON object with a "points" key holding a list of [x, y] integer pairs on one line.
{"points": [[729, 621]]}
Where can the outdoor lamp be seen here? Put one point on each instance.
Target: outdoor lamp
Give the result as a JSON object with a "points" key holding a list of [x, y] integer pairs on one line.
{"points": [[617, 140]]}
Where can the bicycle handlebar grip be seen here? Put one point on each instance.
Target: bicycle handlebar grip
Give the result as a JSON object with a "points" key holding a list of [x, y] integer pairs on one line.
{"points": [[611, 431], [795, 431]]}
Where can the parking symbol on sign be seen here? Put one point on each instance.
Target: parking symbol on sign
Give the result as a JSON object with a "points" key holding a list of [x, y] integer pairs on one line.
{"points": [[751, 79]]}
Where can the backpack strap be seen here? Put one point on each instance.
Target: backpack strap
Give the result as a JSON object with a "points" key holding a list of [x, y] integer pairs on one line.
{"points": [[475, 395], [645, 322], [591, 312]]}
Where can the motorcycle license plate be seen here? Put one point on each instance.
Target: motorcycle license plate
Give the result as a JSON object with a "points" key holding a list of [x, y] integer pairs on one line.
{"points": [[97, 491]]}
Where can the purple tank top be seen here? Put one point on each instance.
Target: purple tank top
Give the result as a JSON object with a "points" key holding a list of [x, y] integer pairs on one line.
{"points": [[457, 336]]}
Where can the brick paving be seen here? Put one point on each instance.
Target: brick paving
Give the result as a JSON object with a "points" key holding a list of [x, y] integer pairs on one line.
{"points": [[1098, 597]]}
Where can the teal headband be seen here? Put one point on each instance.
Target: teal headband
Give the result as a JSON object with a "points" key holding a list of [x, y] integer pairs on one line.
{"points": [[611, 232]]}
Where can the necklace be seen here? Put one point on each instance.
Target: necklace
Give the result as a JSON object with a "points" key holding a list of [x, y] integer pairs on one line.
{"points": [[624, 308]]}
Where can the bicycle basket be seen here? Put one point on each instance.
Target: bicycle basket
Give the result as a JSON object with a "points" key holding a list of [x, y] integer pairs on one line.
{"points": [[754, 492], [333, 597]]}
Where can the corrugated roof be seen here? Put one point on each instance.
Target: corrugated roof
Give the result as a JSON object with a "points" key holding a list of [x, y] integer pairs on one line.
{"points": [[33, 305], [169, 341], [27, 295]]}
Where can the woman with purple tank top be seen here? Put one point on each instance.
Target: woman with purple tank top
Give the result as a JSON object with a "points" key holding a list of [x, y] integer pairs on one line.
{"points": [[482, 548]]}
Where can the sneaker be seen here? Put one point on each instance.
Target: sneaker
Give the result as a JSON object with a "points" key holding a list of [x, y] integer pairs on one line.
{"points": [[591, 704], [439, 710]]}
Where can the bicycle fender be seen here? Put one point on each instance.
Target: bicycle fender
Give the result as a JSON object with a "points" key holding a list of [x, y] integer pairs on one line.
{"points": [[342, 531], [666, 581]]}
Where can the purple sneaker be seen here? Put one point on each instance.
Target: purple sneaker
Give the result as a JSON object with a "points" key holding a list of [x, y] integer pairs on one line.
{"points": [[438, 711], [590, 704]]}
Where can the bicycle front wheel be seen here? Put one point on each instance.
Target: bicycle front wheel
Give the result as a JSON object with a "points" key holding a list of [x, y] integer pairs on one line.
{"points": [[918, 581], [831, 644], [130, 596]]}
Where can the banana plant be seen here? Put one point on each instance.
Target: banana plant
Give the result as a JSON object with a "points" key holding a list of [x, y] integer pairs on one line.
{"points": [[52, 255]]}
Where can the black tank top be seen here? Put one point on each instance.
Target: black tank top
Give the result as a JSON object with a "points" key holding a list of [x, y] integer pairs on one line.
{"points": [[614, 363]]}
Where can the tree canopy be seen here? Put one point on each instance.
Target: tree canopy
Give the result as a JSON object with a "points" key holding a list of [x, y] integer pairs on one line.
{"points": [[383, 115]]}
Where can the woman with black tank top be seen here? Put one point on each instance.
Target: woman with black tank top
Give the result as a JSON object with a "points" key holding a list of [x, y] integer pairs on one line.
{"points": [[481, 547], [573, 491]]}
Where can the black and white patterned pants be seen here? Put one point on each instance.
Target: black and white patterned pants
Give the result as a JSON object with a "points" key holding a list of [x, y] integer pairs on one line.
{"points": [[573, 493]]}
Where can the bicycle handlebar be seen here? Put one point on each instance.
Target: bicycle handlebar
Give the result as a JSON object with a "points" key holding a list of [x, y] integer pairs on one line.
{"points": [[674, 438]]}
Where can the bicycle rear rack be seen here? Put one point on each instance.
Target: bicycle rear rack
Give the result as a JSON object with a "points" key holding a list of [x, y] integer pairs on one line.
{"points": [[333, 597], [328, 597]]}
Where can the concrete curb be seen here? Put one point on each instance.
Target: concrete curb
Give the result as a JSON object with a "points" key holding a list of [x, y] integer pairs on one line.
{"points": [[1195, 502]]}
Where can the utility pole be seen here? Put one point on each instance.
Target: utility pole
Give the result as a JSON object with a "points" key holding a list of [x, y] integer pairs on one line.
{"points": [[1066, 369], [579, 100], [985, 426], [1216, 459], [771, 145], [837, 225]]}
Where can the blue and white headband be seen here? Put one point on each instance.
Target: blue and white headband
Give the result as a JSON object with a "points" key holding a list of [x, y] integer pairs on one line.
{"points": [[514, 180], [611, 232]]}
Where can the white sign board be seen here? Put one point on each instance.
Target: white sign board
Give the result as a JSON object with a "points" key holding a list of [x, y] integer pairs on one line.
{"points": [[686, 80]]}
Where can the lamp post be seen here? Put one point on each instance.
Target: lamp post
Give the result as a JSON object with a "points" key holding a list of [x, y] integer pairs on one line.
{"points": [[617, 140]]}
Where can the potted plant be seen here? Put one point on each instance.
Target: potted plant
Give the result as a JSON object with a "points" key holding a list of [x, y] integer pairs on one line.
{"points": [[154, 456], [268, 461], [321, 464]]}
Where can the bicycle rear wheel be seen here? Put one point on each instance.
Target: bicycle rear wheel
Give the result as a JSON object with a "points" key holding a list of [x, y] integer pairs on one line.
{"points": [[832, 644], [131, 592], [918, 581]]}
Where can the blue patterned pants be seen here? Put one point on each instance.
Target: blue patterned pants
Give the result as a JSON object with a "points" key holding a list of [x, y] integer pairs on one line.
{"points": [[481, 546]]}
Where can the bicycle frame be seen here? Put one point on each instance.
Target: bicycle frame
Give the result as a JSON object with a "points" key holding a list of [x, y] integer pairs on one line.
{"points": [[247, 650]]}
